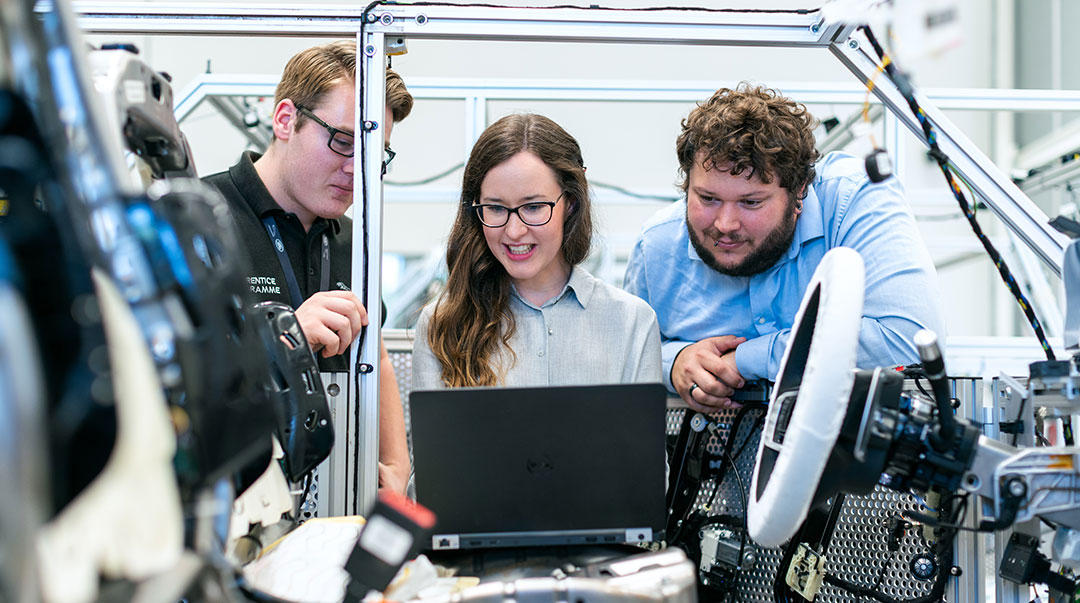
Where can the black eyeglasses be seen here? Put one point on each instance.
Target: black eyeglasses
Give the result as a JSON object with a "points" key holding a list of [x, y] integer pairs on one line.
{"points": [[388, 156], [341, 142], [533, 213]]}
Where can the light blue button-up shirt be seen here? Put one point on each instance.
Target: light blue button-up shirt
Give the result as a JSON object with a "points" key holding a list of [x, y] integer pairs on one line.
{"points": [[842, 209]]}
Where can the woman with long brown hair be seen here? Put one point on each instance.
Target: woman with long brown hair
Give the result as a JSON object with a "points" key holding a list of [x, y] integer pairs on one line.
{"points": [[518, 310]]}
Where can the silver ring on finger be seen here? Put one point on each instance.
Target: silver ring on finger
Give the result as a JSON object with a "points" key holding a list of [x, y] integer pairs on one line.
{"points": [[690, 392]]}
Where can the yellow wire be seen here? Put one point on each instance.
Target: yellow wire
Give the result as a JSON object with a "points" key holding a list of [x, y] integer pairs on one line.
{"points": [[866, 102]]}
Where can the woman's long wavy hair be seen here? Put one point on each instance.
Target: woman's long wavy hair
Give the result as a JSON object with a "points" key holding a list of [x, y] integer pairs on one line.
{"points": [[472, 320]]}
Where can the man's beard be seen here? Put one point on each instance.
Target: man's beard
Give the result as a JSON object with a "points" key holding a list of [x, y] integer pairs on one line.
{"points": [[768, 251]]}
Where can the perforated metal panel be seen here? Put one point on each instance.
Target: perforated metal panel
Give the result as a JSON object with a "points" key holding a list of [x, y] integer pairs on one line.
{"points": [[309, 507], [402, 362], [858, 551]]}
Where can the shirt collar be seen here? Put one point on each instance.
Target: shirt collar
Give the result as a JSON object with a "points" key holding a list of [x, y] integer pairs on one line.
{"points": [[247, 180], [581, 285], [810, 225]]}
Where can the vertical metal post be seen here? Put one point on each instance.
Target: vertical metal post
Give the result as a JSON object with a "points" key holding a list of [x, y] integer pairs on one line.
{"points": [[1008, 400], [330, 484], [475, 121], [969, 585], [362, 479]]}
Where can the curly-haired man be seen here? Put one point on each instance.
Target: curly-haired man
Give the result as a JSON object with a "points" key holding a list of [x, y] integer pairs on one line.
{"points": [[726, 269]]}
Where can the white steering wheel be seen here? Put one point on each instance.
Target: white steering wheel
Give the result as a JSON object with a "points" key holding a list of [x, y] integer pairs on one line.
{"points": [[817, 371]]}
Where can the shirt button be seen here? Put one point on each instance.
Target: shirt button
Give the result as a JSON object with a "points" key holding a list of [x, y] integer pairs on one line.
{"points": [[761, 320], [311, 271], [551, 331], [540, 353]]}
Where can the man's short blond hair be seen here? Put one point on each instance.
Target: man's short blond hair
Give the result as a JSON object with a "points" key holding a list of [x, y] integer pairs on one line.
{"points": [[312, 73], [398, 99]]}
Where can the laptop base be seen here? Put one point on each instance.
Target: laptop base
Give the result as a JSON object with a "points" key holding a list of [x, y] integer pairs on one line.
{"points": [[450, 542]]}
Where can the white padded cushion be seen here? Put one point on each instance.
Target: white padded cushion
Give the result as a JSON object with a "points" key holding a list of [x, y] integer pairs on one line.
{"points": [[824, 385]]}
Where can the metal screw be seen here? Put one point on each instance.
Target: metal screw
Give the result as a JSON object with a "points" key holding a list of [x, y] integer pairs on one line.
{"points": [[369, 50], [370, 17], [370, 125], [421, 19], [333, 389], [386, 19], [955, 571], [816, 27], [853, 44], [366, 368], [1017, 487]]}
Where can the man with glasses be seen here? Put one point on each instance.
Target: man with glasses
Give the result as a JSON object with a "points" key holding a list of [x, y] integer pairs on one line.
{"points": [[289, 206]]}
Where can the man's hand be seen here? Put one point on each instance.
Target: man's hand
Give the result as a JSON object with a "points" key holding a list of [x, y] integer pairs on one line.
{"points": [[393, 479], [331, 320], [704, 373]]}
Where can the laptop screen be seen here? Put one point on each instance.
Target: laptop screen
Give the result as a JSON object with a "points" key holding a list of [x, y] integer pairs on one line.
{"points": [[553, 459]]}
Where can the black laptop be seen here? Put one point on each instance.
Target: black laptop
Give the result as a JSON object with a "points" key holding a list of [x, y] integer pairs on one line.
{"points": [[504, 467]]}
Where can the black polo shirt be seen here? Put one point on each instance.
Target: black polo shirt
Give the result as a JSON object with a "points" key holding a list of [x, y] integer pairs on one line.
{"points": [[250, 202]]}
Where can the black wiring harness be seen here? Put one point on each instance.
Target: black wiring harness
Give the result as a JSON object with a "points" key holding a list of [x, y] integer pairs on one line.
{"points": [[903, 85], [685, 523]]}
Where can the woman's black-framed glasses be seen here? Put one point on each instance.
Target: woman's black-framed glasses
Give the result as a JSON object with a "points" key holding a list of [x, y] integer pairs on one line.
{"points": [[533, 213], [341, 142]]}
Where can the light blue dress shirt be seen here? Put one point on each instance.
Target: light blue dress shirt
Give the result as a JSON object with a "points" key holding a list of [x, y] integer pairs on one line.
{"points": [[591, 333], [842, 209]]}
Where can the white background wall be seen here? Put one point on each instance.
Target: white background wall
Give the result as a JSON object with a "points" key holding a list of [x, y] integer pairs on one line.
{"points": [[632, 144]]}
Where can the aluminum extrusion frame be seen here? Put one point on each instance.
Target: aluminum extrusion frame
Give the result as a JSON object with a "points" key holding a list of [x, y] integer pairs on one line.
{"points": [[797, 29]]}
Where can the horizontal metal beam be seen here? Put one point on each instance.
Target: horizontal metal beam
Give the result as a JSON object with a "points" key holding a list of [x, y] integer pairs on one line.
{"points": [[693, 27], [827, 93], [191, 18], [998, 99], [683, 27]]}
